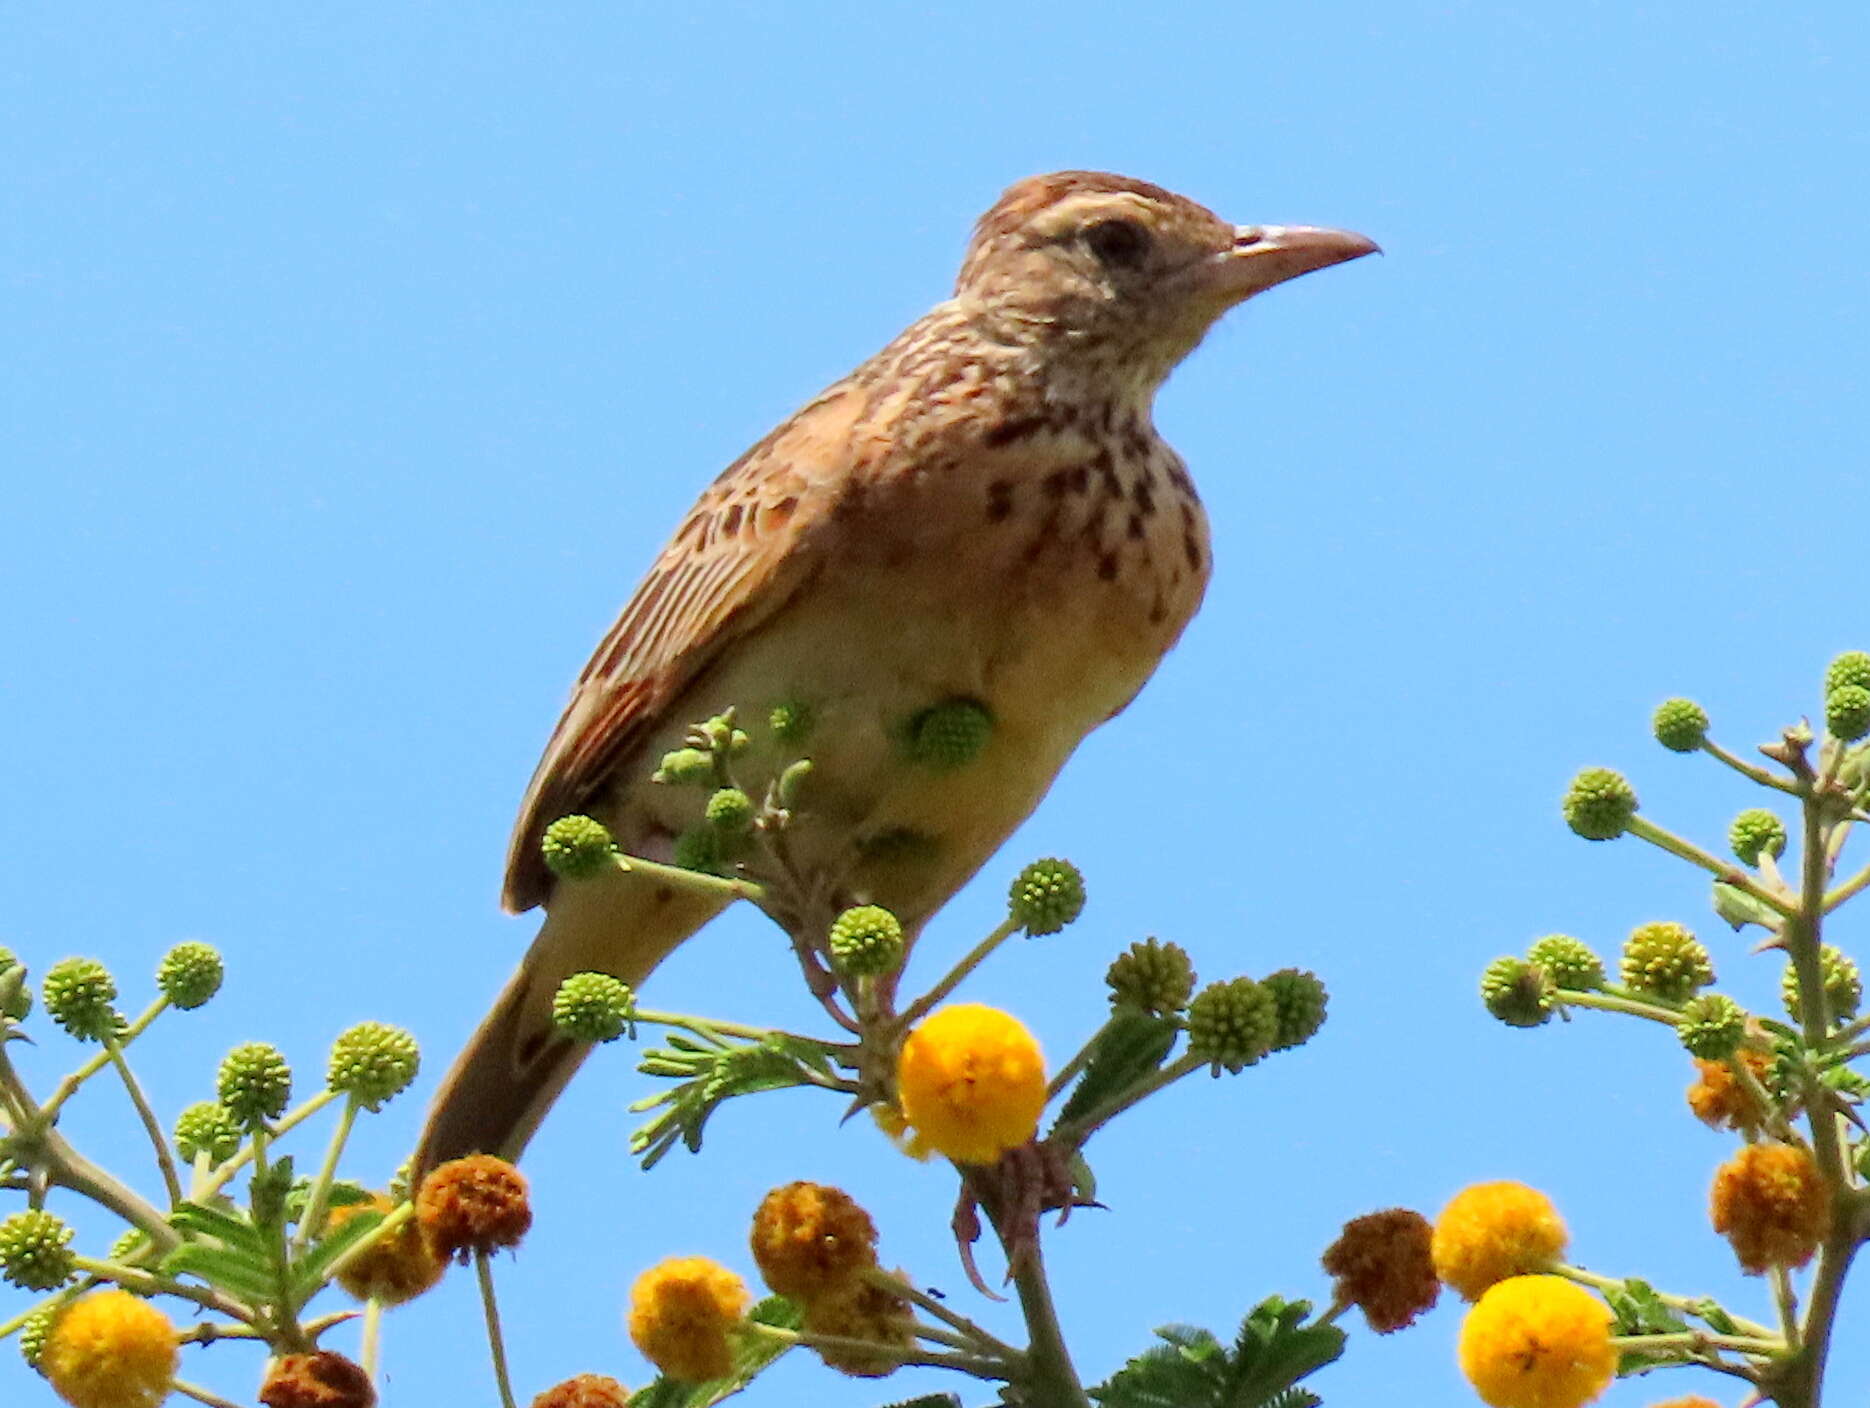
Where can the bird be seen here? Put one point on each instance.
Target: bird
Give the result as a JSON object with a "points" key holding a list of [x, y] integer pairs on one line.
{"points": [[982, 512]]}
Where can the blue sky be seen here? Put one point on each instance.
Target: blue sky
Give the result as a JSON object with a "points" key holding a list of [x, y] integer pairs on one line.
{"points": [[362, 356]]}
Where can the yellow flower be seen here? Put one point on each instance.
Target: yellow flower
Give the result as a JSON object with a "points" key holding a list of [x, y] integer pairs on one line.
{"points": [[110, 1349], [680, 1313], [1770, 1201], [1381, 1264], [395, 1268], [809, 1239], [1538, 1342], [1491, 1231], [972, 1082], [1720, 1100]]}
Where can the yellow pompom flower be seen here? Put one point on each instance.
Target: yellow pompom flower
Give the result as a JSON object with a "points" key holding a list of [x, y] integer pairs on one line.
{"points": [[1538, 1342], [810, 1240], [1491, 1231], [395, 1268], [972, 1083], [680, 1313], [110, 1349], [1771, 1203]]}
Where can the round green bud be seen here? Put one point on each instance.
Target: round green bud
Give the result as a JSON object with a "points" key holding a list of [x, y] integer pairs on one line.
{"points": [[578, 847], [190, 974], [1844, 987], [1847, 712], [1568, 962], [950, 735], [129, 1247], [1852, 667], [1046, 896], [78, 995], [1681, 725], [730, 811], [1299, 999], [254, 1082], [791, 721], [866, 942], [35, 1250], [1599, 804], [593, 1007], [1517, 993], [373, 1062], [686, 767], [35, 1331], [207, 1127], [15, 996], [1756, 832], [1232, 1024], [1666, 961], [1711, 1026], [699, 848], [1151, 977]]}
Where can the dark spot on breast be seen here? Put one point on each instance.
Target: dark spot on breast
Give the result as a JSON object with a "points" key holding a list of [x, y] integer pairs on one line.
{"points": [[1107, 567], [1068, 481], [730, 520], [1158, 613], [1193, 550], [999, 500], [1179, 478], [690, 527], [1009, 431], [1135, 528], [1145, 500]]}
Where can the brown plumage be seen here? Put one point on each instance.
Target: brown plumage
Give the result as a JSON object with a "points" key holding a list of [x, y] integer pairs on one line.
{"points": [[983, 510]]}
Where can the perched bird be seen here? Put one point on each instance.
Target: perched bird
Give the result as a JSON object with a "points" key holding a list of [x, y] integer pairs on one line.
{"points": [[983, 511]]}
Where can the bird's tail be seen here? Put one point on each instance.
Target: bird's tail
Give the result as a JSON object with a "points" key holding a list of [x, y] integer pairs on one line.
{"points": [[514, 1066]]}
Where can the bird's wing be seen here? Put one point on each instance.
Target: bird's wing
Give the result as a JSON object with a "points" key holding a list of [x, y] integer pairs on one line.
{"points": [[747, 546]]}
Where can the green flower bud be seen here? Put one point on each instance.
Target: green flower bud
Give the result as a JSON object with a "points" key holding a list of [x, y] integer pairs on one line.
{"points": [[35, 1250], [791, 721], [1852, 667], [207, 1127], [15, 996], [254, 1083], [1151, 977], [190, 974], [950, 735], [593, 1007], [129, 1247], [1299, 999], [1232, 1024], [1517, 993], [1847, 712], [577, 848], [1666, 961], [699, 848], [1568, 962], [686, 767], [1046, 896], [792, 782], [78, 995], [34, 1333], [1844, 987], [1599, 804], [1711, 1026], [730, 811], [373, 1062], [866, 942], [1681, 725], [1754, 832]]}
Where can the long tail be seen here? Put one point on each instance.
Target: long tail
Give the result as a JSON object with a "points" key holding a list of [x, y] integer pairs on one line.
{"points": [[514, 1066]]}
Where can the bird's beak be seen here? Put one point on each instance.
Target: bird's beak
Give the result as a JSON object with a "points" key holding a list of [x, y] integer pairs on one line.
{"points": [[1264, 255]]}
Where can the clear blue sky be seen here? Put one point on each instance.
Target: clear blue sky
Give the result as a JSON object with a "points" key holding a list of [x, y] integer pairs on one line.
{"points": [[362, 356]]}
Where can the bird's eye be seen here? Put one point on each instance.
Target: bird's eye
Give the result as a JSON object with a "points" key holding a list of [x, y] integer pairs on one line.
{"points": [[1118, 244]]}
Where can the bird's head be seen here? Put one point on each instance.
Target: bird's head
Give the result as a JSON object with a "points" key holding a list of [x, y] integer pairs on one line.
{"points": [[1088, 259]]}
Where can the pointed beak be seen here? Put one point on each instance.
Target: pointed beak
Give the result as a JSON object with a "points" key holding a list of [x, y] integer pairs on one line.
{"points": [[1264, 255]]}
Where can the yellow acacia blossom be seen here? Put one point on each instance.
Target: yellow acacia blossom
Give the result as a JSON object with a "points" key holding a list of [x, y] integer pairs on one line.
{"points": [[972, 1083], [110, 1349], [680, 1313], [1771, 1203], [1718, 1099], [1538, 1342], [810, 1239], [1491, 1231], [394, 1268]]}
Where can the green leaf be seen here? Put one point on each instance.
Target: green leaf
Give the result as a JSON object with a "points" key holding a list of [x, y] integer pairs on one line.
{"points": [[717, 1074], [1275, 1349], [1740, 909], [1716, 1315], [752, 1354], [247, 1277], [267, 1195], [1131, 1047], [1188, 1370], [309, 1273], [229, 1229]]}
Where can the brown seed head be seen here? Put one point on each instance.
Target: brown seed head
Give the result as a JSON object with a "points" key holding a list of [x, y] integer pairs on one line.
{"points": [[809, 1239], [1382, 1264], [585, 1391], [1771, 1203], [320, 1380], [476, 1204], [862, 1311]]}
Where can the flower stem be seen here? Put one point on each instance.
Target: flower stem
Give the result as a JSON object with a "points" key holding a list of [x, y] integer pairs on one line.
{"points": [[68, 1087], [502, 1381], [988, 1343], [201, 1395], [1746, 769], [1079, 1131], [1688, 1305], [1725, 870], [975, 956], [159, 1141], [368, 1350], [1051, 1380], [313, 1218]]}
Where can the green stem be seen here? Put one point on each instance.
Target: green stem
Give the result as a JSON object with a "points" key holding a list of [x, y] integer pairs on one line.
{"points": [[312, 1219], [1746, 769], [1692, 1340], [224, 1173], [1834, 1260], [1069, 1071], [371, 1346], [1078, 1132], [975, 956], [1051, 1380], [502, 1381], [1686, 1304], [714, 886], [988, 1343], [201, 1395], [148, 1283], [159, 1140], [979, 1367], [1850, 887], [1725, 870], [68, 1087], [1619, 1002], [1804, 939], [1786, 1303], [396, 1218]]}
